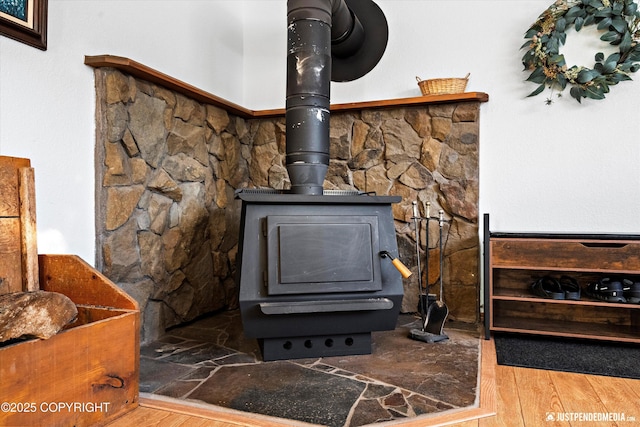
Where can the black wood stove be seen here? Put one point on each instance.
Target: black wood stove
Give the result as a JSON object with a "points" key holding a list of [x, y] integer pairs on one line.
{"points": [[313, 273], [314, 281]]}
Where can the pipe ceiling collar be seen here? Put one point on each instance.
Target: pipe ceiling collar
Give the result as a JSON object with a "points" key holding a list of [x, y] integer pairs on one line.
{"points": [[359, 62]]}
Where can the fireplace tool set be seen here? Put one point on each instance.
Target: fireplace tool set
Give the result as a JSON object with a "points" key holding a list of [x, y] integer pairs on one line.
{"points": [[433, 314]]}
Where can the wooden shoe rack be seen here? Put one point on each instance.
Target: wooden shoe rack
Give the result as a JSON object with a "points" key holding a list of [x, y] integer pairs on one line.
{"points": [[513, 261]]}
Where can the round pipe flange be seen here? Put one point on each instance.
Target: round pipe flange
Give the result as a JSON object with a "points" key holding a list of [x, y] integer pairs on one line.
{"points": [[358, 53]]}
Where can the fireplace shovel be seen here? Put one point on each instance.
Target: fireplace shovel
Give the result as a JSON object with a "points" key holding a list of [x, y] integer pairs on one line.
{"points": [[437, 312]]}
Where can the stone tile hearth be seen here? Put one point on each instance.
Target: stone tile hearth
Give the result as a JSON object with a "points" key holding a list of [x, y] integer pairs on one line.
{"points": [[211, 361]]}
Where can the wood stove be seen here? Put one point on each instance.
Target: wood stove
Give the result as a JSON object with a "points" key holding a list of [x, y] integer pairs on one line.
{"points": [[313, 280], [314, 274]]}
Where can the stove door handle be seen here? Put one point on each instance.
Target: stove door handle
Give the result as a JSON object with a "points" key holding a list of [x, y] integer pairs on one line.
{"points": [[325, 306]]}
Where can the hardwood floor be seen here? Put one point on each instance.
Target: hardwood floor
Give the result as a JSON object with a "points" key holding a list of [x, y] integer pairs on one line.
{"points": [[526, 397], [509, 397]]}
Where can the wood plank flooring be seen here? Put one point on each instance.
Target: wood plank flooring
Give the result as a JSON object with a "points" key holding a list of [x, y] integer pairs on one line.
{"points": [[526, 397], [517, 397]]}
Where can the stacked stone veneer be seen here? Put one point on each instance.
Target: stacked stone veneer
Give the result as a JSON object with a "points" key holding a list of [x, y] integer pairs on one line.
{"points": [[167, 168]]}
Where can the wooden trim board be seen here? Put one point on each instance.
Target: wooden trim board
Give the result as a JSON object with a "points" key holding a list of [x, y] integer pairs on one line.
{"points": [[28, 240], [137, 69]]}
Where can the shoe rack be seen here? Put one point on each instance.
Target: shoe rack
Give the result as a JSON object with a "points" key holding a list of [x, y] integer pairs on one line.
{"points": [[514, 261]]}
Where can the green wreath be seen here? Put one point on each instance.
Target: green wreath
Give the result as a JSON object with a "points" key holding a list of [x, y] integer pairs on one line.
{"points": [[621, 21]]}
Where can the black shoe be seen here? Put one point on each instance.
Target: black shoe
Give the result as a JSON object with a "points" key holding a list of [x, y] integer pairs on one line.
{"points": [[547, 287], [570, 287], [631, 291], [607, 289]]}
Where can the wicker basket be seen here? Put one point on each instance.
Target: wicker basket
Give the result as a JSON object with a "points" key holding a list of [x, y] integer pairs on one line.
{"points": [[442, 86]]}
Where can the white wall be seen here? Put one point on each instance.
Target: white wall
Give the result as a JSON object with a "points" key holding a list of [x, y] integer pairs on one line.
{"points": [[47, 99], [561, 168], [565, 167]]}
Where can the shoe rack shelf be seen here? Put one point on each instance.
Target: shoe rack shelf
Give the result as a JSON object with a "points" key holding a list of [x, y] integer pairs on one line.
{"points": [[514, 261]]}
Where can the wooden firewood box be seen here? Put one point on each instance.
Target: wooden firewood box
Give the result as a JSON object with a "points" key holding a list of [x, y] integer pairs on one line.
{"points": [[88, 373]]}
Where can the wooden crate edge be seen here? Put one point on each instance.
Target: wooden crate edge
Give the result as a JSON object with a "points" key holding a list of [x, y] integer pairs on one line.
{"points": [[73, 277]]}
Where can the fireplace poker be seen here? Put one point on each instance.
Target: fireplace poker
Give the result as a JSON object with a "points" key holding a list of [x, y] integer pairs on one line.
{"points": [[426, 262], [416, 228], [441, 226]]}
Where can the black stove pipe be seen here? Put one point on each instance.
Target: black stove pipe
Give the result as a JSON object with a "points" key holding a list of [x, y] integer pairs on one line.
{"points": [[313, 26]]}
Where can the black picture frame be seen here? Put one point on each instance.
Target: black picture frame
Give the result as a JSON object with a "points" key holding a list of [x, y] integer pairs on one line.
{"points": [[31, 28]]}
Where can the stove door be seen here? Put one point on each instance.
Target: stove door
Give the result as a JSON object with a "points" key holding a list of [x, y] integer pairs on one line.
{"points": [[309, 254]]}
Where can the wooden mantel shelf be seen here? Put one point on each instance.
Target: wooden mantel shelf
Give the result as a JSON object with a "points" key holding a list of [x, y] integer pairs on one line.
{"points": [[139, 70]]}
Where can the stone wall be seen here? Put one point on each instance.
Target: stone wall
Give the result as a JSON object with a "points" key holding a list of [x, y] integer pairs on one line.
{"points": [[167, 168]]}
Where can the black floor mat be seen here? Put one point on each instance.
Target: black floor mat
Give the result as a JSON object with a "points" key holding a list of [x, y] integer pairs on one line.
{"points": [[569, 355]]}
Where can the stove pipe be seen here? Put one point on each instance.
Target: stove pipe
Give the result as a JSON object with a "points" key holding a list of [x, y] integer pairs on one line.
{"points": [[318, 30]]}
